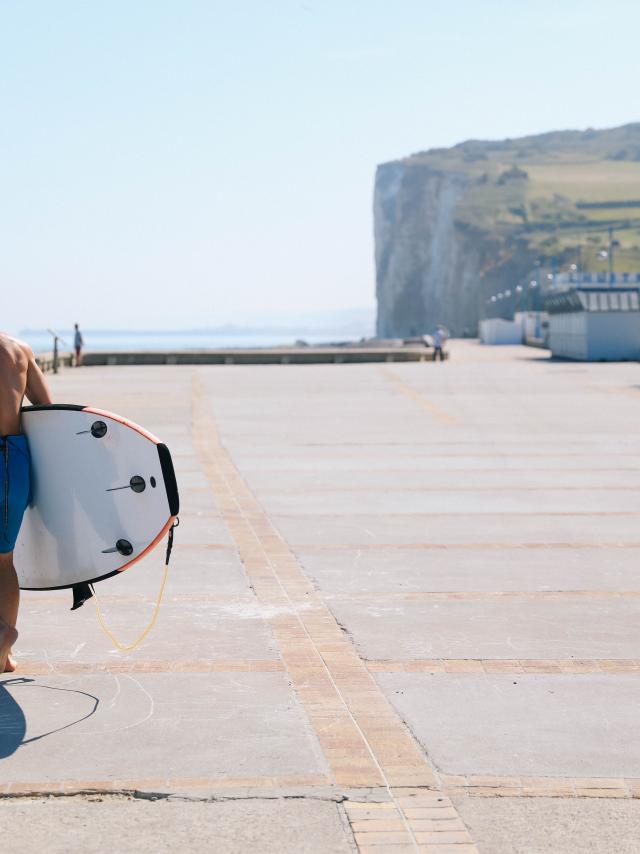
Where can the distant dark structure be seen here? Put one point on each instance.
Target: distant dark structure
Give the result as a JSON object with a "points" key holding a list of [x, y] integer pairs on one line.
{"points": [[455, 226]]}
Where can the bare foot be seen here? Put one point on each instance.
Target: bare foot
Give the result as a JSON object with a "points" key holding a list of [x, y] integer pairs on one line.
{"points": [[11, 665], [8, 636]]}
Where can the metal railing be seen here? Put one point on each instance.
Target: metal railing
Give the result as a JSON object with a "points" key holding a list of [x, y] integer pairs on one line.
{"points": [[56, 357]]}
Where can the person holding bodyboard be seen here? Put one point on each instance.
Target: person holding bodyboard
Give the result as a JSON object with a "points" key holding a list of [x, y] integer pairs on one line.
{"points": [[20, 376]]}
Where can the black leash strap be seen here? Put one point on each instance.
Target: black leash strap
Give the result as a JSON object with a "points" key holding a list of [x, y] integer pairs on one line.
{"points": [[170, 541]]}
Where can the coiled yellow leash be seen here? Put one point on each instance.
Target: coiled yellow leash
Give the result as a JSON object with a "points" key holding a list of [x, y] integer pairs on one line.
{"points": [[131, 646]]}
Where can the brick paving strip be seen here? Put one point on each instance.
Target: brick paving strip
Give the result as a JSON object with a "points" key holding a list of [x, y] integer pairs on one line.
{"points": [[201, 665], [385, 547], [501, 665], [137, 598], [160, 785], [363, 740], [424, 665], [512, 514], [474, 785], [481, 595], [477, 785], [300, 490], [405, 596]]}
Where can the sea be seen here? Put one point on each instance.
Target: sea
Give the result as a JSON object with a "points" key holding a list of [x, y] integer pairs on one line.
{"points": [[138, 340]]}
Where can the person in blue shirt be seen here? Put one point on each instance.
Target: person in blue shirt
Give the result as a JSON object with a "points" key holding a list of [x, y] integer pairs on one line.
{"points": [[439, 340], [78, 344]]}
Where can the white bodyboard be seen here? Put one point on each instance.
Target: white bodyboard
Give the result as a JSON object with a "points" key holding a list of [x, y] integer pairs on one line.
{"points": [[103, 493]]}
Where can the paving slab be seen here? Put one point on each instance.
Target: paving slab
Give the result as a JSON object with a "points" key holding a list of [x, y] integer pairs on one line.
{"points": [[195, 499], [461, 529], [329, 479], [214, 569], [155, 726], [275, 826], [235, 629], [526, 724], [515, 627], [190, 479], [203, 529], [552, 825], [193, 570], [361, 571], [341, 461], [390, 500]]}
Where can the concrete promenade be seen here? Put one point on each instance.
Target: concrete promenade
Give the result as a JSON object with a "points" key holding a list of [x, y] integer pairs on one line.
{"points": [[402, 615]]}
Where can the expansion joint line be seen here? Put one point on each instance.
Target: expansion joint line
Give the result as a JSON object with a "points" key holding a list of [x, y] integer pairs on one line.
{"points": [[305, 642]]}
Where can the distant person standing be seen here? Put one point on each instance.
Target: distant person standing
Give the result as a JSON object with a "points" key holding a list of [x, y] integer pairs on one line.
{"points": [[439, 340], [78, 343]]}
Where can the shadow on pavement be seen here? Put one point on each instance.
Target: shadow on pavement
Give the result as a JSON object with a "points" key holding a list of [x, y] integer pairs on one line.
{"points": [[13, 723]]}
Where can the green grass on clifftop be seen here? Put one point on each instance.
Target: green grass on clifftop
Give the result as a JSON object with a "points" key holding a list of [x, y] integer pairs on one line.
{"points": [[558, 192]]}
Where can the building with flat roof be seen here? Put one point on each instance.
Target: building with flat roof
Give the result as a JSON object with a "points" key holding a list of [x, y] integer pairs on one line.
{"points": [[497, 330], [592, 322]]}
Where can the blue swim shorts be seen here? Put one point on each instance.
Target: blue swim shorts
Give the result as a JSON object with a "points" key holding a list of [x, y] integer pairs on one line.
{"points": [[15, 483]]}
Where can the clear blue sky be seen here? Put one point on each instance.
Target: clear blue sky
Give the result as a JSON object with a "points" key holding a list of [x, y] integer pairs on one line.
{"points": [[177, 163]]}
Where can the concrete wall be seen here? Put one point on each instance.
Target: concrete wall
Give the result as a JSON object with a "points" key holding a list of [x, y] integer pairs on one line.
{"points": [[45, 361], [265, 356]]}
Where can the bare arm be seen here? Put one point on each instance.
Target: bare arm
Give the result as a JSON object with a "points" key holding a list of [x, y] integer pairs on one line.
{"points": [[37, 389]]}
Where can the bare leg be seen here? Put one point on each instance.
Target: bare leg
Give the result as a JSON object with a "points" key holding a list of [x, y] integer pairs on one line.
{"points": [[9, 603]]}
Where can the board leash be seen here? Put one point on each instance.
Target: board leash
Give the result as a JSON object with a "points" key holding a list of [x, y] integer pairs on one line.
{"points": [[131, 646]]}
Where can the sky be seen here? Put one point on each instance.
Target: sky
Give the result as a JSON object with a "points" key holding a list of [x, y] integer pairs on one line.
{"points": [[187, 163]]}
